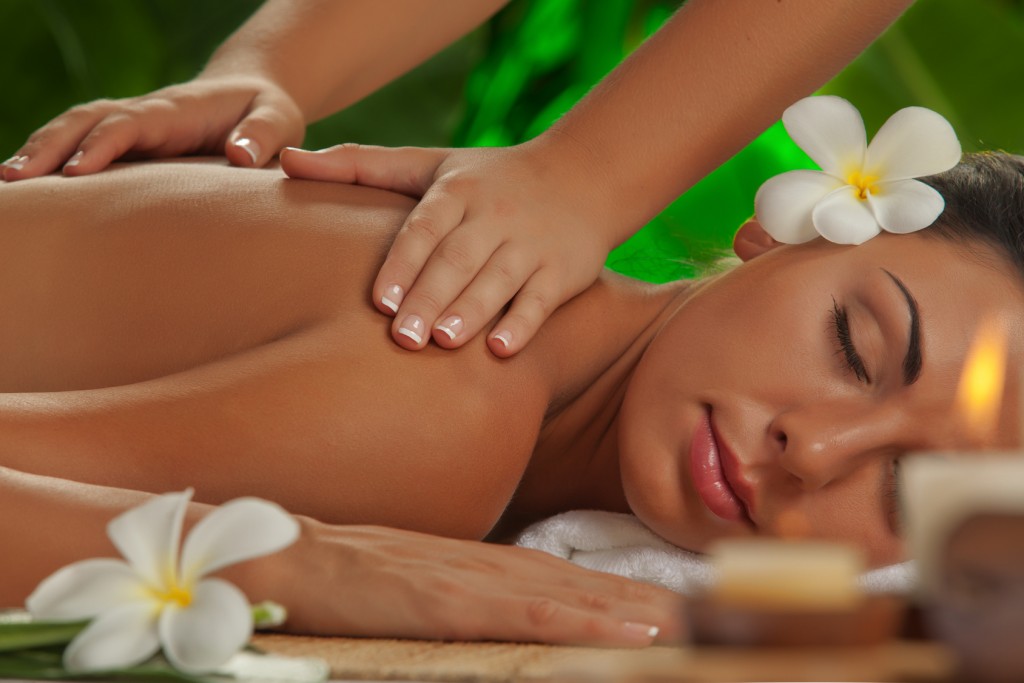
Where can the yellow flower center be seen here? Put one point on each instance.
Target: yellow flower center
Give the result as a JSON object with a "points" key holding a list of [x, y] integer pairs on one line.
{"points": [[865, 184], [172, 594]]}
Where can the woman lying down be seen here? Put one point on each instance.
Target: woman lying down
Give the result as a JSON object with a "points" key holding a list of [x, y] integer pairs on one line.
{"points": [[168, 325]]}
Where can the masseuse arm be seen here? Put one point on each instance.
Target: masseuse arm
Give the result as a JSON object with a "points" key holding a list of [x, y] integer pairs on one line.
{"points": [[292, 63], [534, 223], [355, 581]]}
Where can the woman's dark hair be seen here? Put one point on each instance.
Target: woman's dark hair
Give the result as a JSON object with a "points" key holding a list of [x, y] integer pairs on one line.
{"points": [[984, 196]]}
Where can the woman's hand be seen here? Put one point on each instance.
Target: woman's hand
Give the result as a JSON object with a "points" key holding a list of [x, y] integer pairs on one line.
{"points": [[494, 225], [248, 119], [378, 582]]}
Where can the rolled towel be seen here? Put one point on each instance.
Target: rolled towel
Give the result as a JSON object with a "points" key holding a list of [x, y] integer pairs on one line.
{"points": [[619, 543]]}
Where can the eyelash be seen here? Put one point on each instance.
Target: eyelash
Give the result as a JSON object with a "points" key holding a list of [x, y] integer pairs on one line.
{"points": [[842, 327]]}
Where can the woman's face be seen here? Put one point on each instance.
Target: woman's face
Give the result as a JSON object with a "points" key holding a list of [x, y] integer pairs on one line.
{"points": [[779, 397]]}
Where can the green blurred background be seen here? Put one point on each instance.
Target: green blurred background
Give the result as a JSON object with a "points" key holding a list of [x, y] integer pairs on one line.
{"points": [[508, 80]]}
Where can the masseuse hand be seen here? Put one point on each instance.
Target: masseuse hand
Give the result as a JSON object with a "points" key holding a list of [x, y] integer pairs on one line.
{"points": [[247, 119], [380, 582], [494, 225]]}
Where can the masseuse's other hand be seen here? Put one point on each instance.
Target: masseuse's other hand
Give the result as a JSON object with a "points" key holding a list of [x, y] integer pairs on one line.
{"points": [[494, 225], [379, 582], [246, 119]]}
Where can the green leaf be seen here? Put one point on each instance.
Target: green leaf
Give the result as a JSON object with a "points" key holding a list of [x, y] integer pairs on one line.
{"points": [[20, 636], [46, 664]]}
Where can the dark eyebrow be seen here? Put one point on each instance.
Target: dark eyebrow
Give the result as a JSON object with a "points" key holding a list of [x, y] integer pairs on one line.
{"points": [[912, 361]]}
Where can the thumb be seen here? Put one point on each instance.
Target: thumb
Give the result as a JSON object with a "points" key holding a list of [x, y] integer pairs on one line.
{"points": [[264, 131], [408, 170]]}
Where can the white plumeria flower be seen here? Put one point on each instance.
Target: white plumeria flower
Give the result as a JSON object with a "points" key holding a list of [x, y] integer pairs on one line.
{"points": [[862, 189], [153, 600]]}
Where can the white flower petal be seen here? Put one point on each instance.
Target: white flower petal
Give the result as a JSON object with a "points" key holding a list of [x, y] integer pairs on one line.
{"points": [[914, 142], [830, 130], [201, 637], [148, 535], [238, 530], [904, 206], [84, 589], [783, 204], [843, 218], [123, 636]]}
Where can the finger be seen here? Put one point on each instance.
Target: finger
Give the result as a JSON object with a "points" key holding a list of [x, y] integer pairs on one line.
{"points": [[537, 300], [50, 146], [444, 275], [110, 139], [549, 620], [261, 134], [407, 170], [493, 287], [437, 214]]}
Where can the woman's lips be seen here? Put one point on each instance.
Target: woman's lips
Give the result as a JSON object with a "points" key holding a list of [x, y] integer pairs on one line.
{"points": [[709, 476]]}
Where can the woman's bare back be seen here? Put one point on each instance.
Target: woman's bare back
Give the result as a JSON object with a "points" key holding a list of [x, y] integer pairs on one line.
{"points": [[168, 325]]}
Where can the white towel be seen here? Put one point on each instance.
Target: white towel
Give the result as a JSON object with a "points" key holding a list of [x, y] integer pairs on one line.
{"points": [[620, 544]]}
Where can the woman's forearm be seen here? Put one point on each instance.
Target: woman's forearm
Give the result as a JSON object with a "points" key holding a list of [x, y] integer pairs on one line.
{"points": [[328, 54], [46, 523], [715, 76]]}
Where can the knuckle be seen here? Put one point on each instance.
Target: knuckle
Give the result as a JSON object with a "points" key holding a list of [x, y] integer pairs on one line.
{"points": [[455, 182], [425, 301], [470, 307], [424, 227], [457, 256], [641, 592], [506, 272], [595, 601], [542, 611], [537, 300]]}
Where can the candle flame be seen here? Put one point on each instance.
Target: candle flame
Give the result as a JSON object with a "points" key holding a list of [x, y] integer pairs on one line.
{"points": [[980, 392]]}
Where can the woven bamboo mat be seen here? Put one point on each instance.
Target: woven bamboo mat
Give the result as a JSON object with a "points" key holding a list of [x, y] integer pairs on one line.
{"points": [[413, 660]]}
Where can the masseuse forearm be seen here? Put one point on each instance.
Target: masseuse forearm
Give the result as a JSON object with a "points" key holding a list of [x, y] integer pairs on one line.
{"points": [[328, 54], [715, 76]]}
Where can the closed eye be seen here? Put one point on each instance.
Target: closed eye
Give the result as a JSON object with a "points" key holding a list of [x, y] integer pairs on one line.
{"points": [[852, 359]]}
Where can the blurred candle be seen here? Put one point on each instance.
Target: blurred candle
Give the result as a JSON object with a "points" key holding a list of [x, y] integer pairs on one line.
{"points": [[980, 392], [786, 574]]}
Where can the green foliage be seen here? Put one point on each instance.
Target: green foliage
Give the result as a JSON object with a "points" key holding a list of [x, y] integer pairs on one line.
{"points": [[510, 80]]}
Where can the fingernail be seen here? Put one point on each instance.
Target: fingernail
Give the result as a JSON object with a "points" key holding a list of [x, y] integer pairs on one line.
{"points": [[412, 327], [632, 628], [505, 337], [8, 162], [392, 297], [250, 146], [17, 163], [75, 158], [451, 326]]}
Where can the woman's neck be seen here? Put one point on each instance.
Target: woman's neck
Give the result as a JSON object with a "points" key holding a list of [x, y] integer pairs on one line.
{"points": [[587, 352]]}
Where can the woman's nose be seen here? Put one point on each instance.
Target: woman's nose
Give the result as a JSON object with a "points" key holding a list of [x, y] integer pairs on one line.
{"points": [[823, 442]]}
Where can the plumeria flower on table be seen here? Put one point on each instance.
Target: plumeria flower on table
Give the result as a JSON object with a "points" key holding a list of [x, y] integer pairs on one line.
{"points": [[155, 599], [861, 189]]}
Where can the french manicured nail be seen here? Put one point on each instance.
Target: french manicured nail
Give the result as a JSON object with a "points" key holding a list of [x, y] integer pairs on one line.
{"points": [[634, 629], [12, 159], [451, 326], [412, 327], [75, 158], [250, 146], [505, 337], [393, 297], [17, 163]]}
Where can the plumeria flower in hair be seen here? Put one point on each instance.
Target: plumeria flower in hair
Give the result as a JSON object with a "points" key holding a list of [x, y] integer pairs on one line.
{"points": [[157, 600], [862, 189]]}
